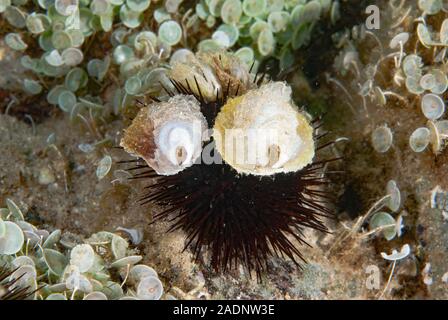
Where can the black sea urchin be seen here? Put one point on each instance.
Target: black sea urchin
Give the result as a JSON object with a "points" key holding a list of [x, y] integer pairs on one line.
{"points": [[241, 219]]}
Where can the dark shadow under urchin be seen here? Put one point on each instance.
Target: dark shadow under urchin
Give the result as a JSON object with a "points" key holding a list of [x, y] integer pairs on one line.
{"points": [[240, 219]]}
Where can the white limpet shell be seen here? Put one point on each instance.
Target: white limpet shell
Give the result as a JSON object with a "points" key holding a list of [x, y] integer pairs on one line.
{"points": [[168, 135], [395, 255], [263, 133], [433, 106], [420, 139]]}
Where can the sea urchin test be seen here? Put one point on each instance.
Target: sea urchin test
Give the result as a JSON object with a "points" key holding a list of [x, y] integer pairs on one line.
{"points": [[262, 132]]}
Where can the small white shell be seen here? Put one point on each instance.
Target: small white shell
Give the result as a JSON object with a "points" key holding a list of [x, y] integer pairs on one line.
{"points": [[395, 255]]}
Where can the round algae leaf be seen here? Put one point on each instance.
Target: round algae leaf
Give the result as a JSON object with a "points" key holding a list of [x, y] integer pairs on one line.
{"points": [[54, 58], [231, 11], [23, 261], [430, 7], [433, 106], [32, 86], [246, 54], [131, 19], [413, 86], [170, 32], [412, 66], [395, 196], [254, 8], [83, 257], [266, 42], [138, 5], [66, 100], [424, 35], [382, 139], [145, 39], [442, 128], [257, 28], [119, 247], [181, 56], [444, 32], [420, 139], [55, 261], [278, 21], [37, 23], [399, 40], [2, 228], [95, 295], [130, 260], [140, 271], [383, 219], [13, 238], [76, 79], [4, 4], [123, 53], [72, 57], [56, 296], [441, 81], [15, 42], [15, 17], [61, 40], [66, 7], [221, 38], [232, 32], [104, 167], [428, 81], [150, 288]]}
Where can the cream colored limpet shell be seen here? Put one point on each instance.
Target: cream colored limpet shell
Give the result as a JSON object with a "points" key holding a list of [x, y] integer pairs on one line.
{"points": [[263, 133], [167, 135]]}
